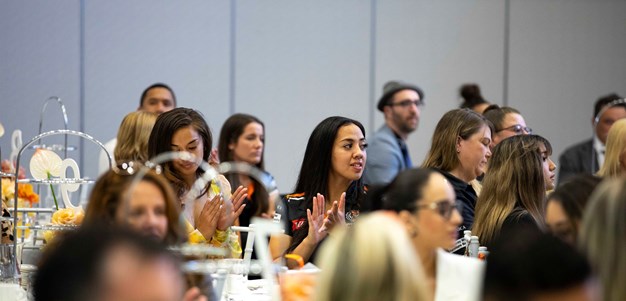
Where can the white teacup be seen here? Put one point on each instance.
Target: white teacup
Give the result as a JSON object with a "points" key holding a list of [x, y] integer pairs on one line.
{"points": [[12, 292]]}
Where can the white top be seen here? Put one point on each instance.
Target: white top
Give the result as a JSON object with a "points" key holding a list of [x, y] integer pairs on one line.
{"points": [[599, 148], [459, 278], [103, 161]]}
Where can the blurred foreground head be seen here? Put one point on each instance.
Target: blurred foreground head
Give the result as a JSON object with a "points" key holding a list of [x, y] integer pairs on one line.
{"points": [[602, 236], [371, 260], [532, 266], [107, 264]]}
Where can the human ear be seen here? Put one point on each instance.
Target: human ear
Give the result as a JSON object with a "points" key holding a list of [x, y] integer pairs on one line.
{"points": [[409, 222]]}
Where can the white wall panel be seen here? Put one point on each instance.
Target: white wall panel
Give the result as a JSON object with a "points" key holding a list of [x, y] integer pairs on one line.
{"points": [[39, 58], [439, 45], [564, 55], [130, 45], [298, 62]]}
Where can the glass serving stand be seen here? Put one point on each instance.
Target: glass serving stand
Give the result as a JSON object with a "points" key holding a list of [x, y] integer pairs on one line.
{"points": [[62, 182], [221, 271], [54, 147]]}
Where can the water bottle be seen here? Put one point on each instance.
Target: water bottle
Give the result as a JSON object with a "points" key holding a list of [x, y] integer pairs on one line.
{"points": [[473, 247]]}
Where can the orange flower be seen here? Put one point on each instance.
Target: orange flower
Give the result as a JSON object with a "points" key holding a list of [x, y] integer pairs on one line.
{"points": [[25, 191]]}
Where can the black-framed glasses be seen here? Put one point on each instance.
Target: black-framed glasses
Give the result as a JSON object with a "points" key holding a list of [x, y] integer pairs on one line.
{"points": [[443, 208], [407, 103], [518, 129]]}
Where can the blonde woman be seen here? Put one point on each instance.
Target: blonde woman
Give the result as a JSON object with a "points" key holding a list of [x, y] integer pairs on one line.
{"points": [[514, 189], [372, 260], [615, 155], [133, 136], [460, 150], [602, 237]]}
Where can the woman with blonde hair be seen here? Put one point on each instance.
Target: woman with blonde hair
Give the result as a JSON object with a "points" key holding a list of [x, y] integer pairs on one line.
{"points": [[602, 237], [514, 189], [354, 268], [615, 156], [460, 150], [133, 136]]}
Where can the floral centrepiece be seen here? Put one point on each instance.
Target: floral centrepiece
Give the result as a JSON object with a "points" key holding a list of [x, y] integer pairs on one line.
{"points": [[46, 164], [66, 217], [25, 199]]}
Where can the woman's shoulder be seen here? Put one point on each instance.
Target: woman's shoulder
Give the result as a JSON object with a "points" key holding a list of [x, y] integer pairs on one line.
{"points": [[519, 216], [456, 260], [518, 219], [296, 196], [458, 277], [294, 200]]}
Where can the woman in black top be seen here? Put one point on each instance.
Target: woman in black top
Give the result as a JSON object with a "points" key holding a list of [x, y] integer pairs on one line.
{"points": [[242, 139], [329, 190], [460, 149]]}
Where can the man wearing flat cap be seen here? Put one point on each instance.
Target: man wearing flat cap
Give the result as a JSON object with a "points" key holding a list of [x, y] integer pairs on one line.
{"points": [[387, 153]]}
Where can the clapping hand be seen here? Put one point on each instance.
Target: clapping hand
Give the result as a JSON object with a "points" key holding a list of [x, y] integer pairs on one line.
{"points": [[206, 222], [316, 220], [336, 214], [232, 208]]}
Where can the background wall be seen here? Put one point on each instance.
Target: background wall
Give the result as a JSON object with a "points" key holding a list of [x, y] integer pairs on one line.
{"points": [[293, 63]]}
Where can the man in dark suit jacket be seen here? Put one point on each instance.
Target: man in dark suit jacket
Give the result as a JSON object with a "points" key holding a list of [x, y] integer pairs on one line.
{"points": [[588, 156], [578, 159]]}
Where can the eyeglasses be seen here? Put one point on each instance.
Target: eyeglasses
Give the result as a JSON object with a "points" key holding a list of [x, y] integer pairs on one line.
{"points": [[443, 208], [518, 129], [407, 103]]}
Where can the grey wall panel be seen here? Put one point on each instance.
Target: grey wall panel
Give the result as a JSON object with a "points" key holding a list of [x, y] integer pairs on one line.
{"points": [[439, 45], [130, 45], [39, 58], [296, 64], [564, 55]]}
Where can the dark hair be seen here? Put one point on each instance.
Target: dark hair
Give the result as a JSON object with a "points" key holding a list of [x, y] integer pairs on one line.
{"points": [[161, 139], [573, 195], [70, 269], [471, 96], [605, 100], [496, 115], [403, 192], [231, 131], [317, 164], [109, 192], [531, 263], [156, 85]]}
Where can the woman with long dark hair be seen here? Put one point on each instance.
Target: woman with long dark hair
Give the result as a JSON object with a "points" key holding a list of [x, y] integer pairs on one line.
{"points": [[329, 184], [213, 212], [514, 189]]}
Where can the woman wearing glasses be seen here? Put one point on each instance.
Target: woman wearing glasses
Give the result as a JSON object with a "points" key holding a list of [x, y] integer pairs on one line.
{"points": [[427, 207], [514, 189], [507, 122], [460, 150]]}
